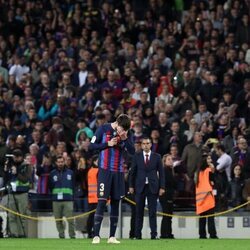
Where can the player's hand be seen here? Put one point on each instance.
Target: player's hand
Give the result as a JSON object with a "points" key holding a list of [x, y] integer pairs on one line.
{"points": [[131, 190], [113, 142], [161, 191], [123, 135]]}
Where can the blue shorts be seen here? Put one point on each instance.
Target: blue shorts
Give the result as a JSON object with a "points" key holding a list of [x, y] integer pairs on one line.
{"points": [[110, 185]]}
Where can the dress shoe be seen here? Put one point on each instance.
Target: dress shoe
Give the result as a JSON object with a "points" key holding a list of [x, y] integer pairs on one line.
{"points": [[171, 236], [13, 236], [154, 238], [203, 237], [214, 237]]}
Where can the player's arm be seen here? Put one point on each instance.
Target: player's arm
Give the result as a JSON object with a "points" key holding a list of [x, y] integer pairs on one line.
{"points": [[96, 141], [129, 144]]}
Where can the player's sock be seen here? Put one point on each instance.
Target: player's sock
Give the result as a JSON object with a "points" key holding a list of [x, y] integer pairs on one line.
{"points": [[99, 216], [114, 217]]}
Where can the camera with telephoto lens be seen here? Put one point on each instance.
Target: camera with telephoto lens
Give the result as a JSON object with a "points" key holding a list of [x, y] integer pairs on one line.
{"points": [[9, 160]]}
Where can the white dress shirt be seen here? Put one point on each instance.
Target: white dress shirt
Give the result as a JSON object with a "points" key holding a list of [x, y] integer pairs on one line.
{"points": [[224, 163], [144, 155], [82, 77]]}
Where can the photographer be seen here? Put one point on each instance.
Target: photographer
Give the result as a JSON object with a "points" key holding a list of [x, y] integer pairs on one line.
{"points": [[3, 150], [18, 175]]}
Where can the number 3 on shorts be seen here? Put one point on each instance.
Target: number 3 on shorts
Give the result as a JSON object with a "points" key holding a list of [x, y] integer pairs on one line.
{"points": [[101, 187]]}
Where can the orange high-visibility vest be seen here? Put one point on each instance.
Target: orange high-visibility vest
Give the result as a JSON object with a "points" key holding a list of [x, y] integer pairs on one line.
{"points": [[92, 185], [204, 193]]}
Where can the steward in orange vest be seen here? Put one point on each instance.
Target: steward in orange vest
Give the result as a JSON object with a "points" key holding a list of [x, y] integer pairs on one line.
{"points": [[204, 192], [92, 185], [205, 200], [92, 194]]}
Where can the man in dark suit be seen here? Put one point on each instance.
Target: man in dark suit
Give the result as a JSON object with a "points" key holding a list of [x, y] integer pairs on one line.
{"points": [[79, 77], [146, 181]]}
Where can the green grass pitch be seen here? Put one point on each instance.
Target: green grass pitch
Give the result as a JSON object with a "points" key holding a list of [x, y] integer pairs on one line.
{"points": [[85, 244]]}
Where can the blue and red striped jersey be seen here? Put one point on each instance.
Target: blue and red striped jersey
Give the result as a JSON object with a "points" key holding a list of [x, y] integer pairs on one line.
{"points": [[111, 158]]}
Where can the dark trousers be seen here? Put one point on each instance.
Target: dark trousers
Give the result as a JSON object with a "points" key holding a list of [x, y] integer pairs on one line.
{"points": [[152, 206], [132, 219], [1, 227], [221, 184], [166, 222], [132, 222], [90, 221], [211, 225]]}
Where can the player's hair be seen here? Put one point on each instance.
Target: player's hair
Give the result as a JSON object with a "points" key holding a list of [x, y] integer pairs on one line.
{"points": [[123, 121]]}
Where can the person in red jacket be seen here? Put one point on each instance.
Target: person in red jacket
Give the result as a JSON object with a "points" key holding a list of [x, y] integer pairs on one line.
{"points": [[92, 194], [205, 200]]}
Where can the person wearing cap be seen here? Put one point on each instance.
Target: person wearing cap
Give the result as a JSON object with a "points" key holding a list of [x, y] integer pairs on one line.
{"points": [[18, 176]]}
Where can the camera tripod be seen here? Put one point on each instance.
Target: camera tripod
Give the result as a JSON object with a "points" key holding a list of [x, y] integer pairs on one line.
{"points": [[12, 203]]}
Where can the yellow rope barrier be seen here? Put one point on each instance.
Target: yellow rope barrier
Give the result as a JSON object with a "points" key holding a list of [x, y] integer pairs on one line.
{"points": [[129, 201], [48, 219], [194, 216]]}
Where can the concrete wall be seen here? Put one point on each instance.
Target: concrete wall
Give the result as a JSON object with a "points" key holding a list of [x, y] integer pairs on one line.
{"points": [[183, 228]]}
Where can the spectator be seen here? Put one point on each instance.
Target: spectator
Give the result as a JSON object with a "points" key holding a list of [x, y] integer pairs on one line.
{"points": [[184, 102], [230, 141], [193, 127], [210, 91], [235, 187], [80, 76], [175, 137], [241, 156], [18, 68], [166, 199], [203, 114], [47, 110], [191, 158], [43, 170], [80, 188], [223, 175]]}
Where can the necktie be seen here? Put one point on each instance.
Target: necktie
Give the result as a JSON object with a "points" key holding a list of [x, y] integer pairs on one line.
{"points": [[147, 159]]}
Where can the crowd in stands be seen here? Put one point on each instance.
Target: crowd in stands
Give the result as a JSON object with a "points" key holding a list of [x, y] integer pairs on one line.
{"points": [[179, 69]]}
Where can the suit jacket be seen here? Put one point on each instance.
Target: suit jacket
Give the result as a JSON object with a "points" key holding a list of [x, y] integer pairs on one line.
{"points": [[153, 171]]}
